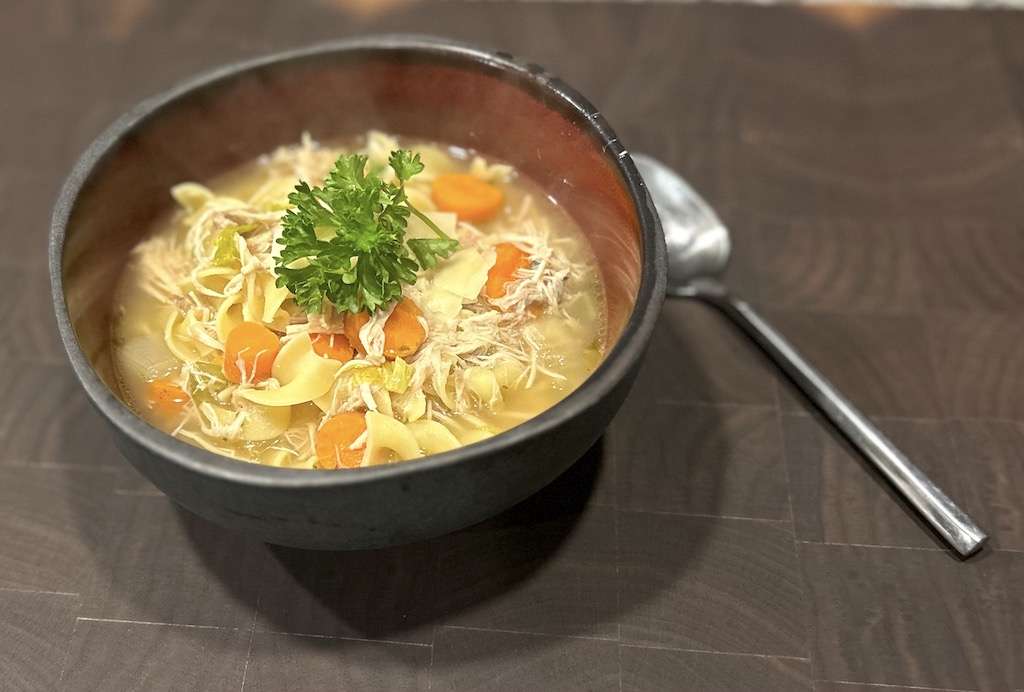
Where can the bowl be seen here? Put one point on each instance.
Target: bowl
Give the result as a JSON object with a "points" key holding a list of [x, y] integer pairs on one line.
{"points": [[421, 87]]}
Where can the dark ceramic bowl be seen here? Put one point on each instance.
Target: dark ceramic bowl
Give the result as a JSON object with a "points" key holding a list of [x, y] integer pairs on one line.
{"points": [[420, 87]]}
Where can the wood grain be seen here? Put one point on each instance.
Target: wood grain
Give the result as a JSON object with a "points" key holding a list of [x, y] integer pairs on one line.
{"points": [[991, 455], [53, 519], [842, 265], [970, 266], [382, 594], [55, 422], [154, 657], [36, 338], [968, 177], [479, 660], [35, 630], [1006, 28], [880, 362], [145, 573], [904, 617], [650, 670], [726, 585], [552, 574], [979, 363], [289, 662], [719, 537], [819, 177], [712, 460], [25, 198], [696, 357]]}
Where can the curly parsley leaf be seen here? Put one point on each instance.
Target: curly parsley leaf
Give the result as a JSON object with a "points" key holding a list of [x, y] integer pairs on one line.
{"points": [[405, 164], [344, 242]]}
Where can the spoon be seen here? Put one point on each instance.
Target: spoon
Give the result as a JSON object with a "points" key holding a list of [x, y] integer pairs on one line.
{"points": [[698, 250]]}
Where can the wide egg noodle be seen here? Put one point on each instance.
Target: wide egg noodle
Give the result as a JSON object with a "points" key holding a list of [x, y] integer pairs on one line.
{"points": [[191, 196], [304, 376], [183, 346], [262, 301], [441, 302], [211, 281], [273, 298], [483, 384], [291, 358], [439, 381], [420, 198], [410, 406], [445, 220], [379, 146], [382, 400], [204, 442], [465, 272], [229, 316], [509, 372], [264, 422], [385, 434], [280, 321], [252, 303], [475, 435], [481, 369], [432, 437], [436, 161]]}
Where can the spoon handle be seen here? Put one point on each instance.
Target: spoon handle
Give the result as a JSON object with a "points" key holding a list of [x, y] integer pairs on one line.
{"points": [[948, 520]]}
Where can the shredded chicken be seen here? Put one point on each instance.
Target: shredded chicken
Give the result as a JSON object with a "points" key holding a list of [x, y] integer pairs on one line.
{"points": [[485, 334]]}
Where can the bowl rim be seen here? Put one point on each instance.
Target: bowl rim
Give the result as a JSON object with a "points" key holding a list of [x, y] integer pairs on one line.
{"points": [[614, 367]]}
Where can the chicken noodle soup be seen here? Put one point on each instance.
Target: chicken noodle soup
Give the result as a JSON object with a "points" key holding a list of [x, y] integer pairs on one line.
{"points": [[385, 309]]}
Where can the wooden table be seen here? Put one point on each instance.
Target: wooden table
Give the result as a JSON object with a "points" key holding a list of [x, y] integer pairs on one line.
{"points": [[871, 166]]}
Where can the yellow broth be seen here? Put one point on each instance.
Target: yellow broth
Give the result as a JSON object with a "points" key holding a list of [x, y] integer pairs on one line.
{"points": [[555, 341]]}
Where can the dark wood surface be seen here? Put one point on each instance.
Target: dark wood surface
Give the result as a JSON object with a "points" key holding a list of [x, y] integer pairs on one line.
{"points": [[871, 166]]}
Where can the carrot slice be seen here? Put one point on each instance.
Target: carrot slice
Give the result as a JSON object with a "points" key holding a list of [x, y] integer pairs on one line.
{"points": [[403, 333], [354, 321], [333, 346], [510, 259], [469, 197], [334, 438], [249, 352], [166, 398]]}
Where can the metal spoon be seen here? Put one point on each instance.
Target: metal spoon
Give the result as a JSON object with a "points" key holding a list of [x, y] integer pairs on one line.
{"points": [[698, 250]]}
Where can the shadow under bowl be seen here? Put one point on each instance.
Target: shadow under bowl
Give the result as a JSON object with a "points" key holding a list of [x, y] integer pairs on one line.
{"points": [[420, 87]]}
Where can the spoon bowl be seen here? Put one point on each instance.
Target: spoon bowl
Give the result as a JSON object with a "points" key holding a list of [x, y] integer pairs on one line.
{"points": [[698, 242]]}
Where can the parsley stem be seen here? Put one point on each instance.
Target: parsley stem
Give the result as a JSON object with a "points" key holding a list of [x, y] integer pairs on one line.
{"points": [[426, 219]]}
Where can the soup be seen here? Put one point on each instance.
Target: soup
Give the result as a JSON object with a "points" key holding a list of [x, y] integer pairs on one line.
{"points": [[330, 307]]}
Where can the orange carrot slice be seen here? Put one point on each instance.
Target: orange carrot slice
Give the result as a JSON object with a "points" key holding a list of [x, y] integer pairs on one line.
{"points": [[334, 438], [403, 333], [510, 259], [333, 346], [166, 398], [354, 321], [249, 353], [469, 197]]}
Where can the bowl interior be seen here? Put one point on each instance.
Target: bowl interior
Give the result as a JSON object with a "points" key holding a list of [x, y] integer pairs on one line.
{"points": [[449, 96]]}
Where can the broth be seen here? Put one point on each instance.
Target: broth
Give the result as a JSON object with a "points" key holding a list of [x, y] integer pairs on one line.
{"points": [[493, 351]]}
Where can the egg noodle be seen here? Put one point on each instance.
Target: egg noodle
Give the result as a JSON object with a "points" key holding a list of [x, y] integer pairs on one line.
{"points": [[466, 353]]}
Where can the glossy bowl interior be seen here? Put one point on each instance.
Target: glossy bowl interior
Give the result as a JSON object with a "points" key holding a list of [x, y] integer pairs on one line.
{"points": [[418, 87]]}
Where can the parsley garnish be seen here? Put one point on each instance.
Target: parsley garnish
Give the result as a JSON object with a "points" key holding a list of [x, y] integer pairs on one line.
{"points": [[345, 242]]}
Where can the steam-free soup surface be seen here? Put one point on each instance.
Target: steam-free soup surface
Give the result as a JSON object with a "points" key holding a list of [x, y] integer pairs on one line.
{"points": [[211, 347]]}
